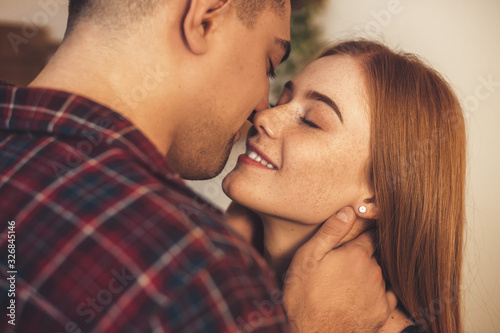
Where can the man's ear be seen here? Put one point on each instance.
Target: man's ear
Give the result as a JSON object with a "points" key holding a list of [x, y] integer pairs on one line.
{"points": [[199, 20]]}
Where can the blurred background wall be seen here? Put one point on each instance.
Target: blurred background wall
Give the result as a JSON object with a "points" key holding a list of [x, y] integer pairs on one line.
{"points": [[460, 38]]}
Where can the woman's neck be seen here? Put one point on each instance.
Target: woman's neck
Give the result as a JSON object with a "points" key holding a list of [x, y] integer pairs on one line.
{"points": [[283, 237]]}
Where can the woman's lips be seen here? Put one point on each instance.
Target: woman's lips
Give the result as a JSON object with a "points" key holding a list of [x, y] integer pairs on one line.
{"points": [[243, 158], [254, 156]]}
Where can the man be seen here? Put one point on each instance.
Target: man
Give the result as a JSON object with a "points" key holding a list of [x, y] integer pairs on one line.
{"points": [[107, 236]]}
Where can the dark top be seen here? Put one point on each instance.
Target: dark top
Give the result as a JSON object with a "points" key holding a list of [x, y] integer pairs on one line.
{"points": [[107, 237], [412, 329], [5, 83]]}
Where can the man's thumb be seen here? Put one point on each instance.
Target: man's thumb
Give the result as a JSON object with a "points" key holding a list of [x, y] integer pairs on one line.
{"points": [[332, 232]]}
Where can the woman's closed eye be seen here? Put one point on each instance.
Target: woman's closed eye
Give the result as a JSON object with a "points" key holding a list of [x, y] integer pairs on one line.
{"points": [[303, 119], [309, 123]]}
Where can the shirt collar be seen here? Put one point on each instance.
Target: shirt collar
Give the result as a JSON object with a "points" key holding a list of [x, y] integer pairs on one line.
{"points": [[53, 112]]}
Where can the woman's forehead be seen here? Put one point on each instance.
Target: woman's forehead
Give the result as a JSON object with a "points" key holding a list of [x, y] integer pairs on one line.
{"points": [[330, 73], [339, 77]]}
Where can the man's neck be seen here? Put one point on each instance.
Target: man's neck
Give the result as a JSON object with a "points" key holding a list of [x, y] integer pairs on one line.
{"points": [[116, 79]]}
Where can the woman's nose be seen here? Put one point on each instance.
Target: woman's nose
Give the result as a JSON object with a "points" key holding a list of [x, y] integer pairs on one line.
{"points": [[269, 122]]}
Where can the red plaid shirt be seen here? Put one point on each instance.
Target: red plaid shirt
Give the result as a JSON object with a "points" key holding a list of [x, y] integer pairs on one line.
{"points": [[107, 237]]}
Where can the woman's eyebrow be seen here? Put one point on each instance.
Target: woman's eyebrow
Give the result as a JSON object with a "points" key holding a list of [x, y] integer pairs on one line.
{"points": [[314, 95]]}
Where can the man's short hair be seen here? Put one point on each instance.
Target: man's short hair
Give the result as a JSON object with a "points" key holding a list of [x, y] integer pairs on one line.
{"points": [[120, 13], [249, 10], [112, 13]]}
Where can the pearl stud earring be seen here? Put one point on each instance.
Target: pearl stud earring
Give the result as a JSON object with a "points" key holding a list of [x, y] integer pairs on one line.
{"points": [[362, 209]]}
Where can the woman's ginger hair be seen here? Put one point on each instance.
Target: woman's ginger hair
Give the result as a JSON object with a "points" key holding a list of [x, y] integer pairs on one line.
{"points": [[418, 177]]}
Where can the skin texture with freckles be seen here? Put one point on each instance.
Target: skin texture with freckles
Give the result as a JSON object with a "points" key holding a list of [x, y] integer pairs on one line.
{"points": [[322, 167], [320, 170], [323, 162]]}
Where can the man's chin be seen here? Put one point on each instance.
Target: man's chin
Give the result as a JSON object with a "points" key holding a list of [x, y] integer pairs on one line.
{"points": [[203, 171], [201, 168], [201, 175]]}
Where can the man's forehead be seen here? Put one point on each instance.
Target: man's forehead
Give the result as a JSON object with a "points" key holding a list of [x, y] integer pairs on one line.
{"points": [[280, 25], [276, 25]]}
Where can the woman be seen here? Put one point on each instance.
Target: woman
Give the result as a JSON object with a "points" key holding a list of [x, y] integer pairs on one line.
{"points": [[366, 127]]}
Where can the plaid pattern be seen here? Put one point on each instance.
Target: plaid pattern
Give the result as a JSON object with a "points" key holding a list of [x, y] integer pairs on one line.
{"points": [[108, 237]]}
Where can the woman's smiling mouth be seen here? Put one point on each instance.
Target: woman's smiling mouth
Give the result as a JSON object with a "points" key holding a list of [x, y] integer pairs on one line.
{"points": [[254, 156]]}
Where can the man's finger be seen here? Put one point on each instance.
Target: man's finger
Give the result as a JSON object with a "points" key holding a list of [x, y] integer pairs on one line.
{"points": [[365, 240], [330, 233]]}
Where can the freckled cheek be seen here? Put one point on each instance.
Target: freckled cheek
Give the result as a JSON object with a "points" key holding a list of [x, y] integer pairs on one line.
{"points": [[323, 170], [307, 197], [311, 177]]}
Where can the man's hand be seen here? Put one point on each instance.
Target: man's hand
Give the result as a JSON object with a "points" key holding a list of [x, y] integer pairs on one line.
{"points": [[339, 290]]}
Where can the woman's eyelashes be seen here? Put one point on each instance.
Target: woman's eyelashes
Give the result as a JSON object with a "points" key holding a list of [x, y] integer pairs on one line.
{"points": [[303, 119], [309, 123]]}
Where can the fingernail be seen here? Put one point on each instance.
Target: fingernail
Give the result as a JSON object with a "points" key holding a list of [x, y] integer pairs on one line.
{"points": [[344, 214]]}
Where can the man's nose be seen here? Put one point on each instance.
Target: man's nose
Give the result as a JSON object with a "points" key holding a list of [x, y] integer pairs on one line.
{"points": [[264, 104]]}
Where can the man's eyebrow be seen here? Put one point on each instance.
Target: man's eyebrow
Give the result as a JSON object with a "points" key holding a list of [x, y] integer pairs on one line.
{"points": [[286, 46], [327, 100]]}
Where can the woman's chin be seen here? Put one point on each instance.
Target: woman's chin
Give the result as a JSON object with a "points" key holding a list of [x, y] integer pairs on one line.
{"points": [[235, 186], [227, 186]]}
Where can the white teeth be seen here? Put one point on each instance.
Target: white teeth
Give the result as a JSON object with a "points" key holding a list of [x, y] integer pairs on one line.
{"points": [[257, 158]]}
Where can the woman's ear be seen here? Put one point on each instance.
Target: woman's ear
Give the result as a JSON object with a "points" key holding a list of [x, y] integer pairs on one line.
{"points": [[199, 20], [367, 209]]}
